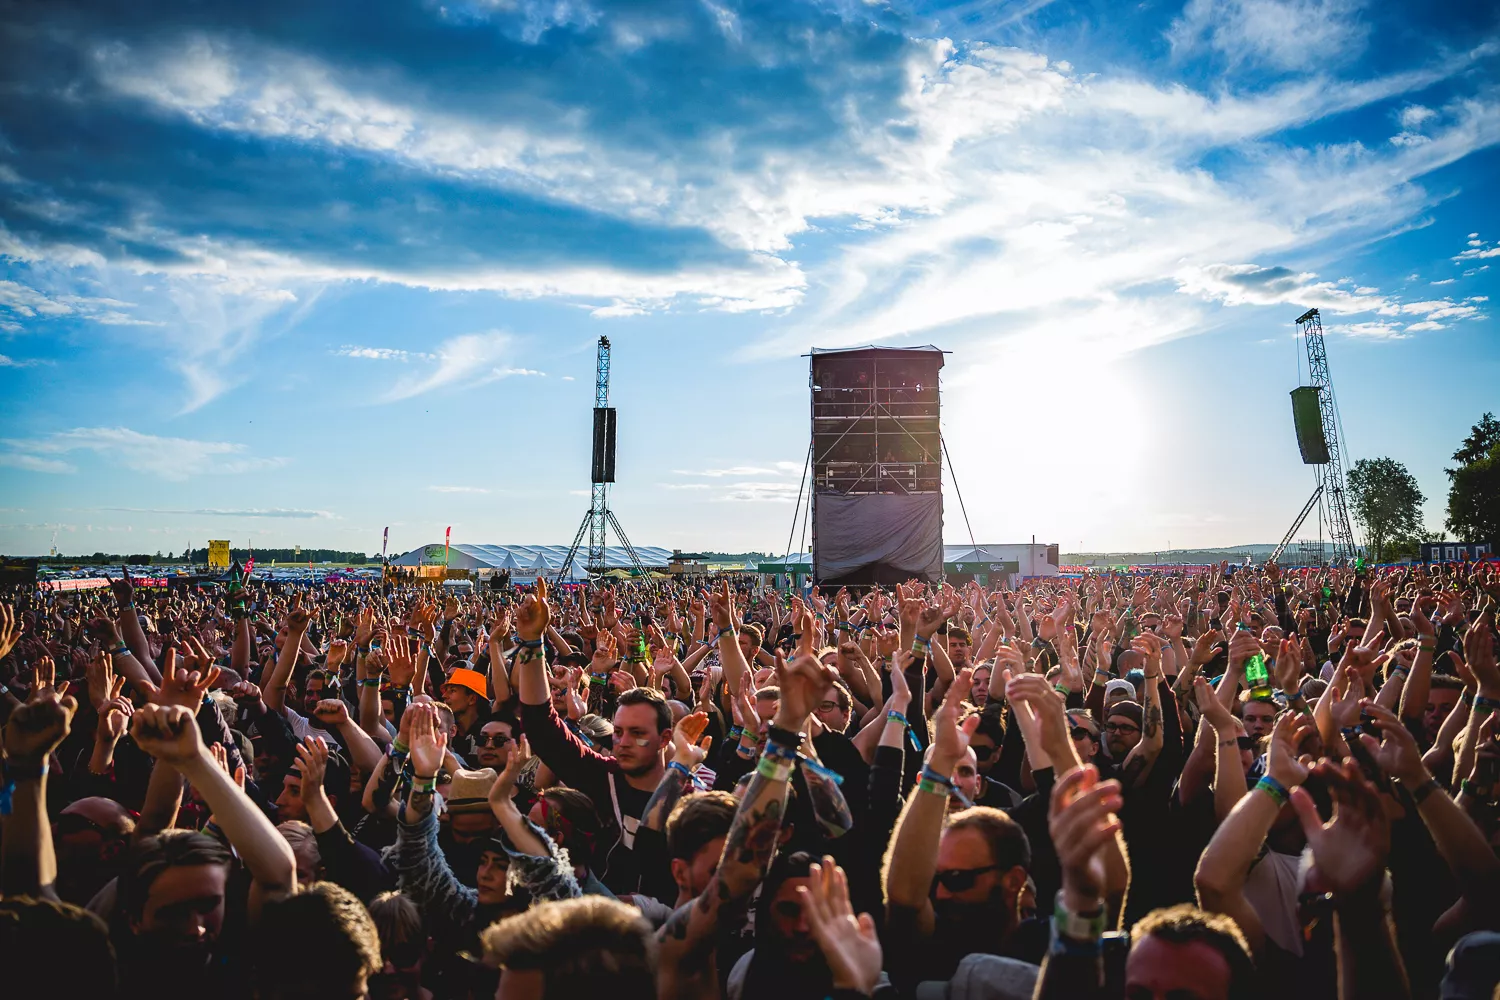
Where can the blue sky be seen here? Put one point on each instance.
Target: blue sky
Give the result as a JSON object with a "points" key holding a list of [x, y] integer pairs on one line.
{"points": [[292, 272]]}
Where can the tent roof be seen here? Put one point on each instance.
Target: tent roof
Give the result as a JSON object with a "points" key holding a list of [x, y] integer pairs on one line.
{"points": [[465, 555]]}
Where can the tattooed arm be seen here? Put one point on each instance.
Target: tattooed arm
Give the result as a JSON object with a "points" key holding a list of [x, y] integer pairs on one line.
{"points": [[1138, 763], [687, 958], [687, 962]]}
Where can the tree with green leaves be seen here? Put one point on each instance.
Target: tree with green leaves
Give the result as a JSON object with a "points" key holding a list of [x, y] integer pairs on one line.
{"points": [[1387, 502], [1474, 486]]}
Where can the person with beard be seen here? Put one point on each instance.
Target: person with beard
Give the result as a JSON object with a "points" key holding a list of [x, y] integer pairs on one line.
{"points": [[952, 880], [181, 896], [91, 837], [619, 784], [517, 866], [779, 963]]}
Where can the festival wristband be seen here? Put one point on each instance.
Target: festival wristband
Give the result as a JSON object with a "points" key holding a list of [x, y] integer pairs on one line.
{"points": [[1077, 926], [122, 651], [928, 774], [529, 643], [785, 737], [676, 766], [371, 682], [1273, 788], [1488, 704], [932, 788], [774, 768]]}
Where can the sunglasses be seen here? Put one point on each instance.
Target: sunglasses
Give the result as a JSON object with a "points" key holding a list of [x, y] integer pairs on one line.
{"points": [[1121, 727], [1083, 733], [982, 752], [492, 740], [830, 706], [960, 879]]}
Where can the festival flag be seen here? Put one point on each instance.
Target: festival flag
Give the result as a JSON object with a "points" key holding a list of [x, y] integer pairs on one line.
{"points": [[447, 538], [385, 541]]}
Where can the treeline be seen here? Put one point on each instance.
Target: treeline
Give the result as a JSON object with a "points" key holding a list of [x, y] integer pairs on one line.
{"points": [[286, 555], [200, 557]]}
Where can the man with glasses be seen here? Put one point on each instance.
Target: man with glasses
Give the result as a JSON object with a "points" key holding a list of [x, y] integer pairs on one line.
{"points": [[493, 743]]}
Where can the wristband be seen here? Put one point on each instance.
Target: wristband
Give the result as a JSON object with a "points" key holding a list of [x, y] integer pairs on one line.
{"points": [[673, 765], [774, 768], [722, 633], [364, 650], [529, 643], [1427, 649], [1273, 788], [786, 737], [122, 650], [17, 771], [1481, 709], [1062, 689], [399, 749], [424, 786], [1422, 791], [1467, 787], [932, 788], [735, 732], [1490, 704], [928, 774], [895, 716], [373, 682], [1467, 698], [1077, 927], [779, 751]]}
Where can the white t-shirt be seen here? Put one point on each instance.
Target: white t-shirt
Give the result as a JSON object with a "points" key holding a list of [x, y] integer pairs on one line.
{"points": [[1271, 889]]}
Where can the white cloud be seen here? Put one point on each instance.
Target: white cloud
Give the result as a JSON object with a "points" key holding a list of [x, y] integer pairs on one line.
{"points": [[1445, 281], [1280, 33], [8, 362], [760, 492], [168, 458], [1426, 325], [683, 486], [1250, 284], [464, 361], [1413, 116], [1374, 330], [380, 353], [737, 470], [279, 513], [458, 489], [24, 302]]}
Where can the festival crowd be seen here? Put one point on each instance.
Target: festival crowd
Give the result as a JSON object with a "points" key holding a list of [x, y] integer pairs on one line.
{"points": [[1246, 782]]}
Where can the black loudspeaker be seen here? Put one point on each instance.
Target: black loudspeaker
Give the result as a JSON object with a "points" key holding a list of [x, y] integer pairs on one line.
{"points": [[1307, 417], [604, 444]]}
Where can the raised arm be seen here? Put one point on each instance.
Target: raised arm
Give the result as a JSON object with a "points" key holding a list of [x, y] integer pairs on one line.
{"points": [[1142, 756], [28, 865], [688, 937], [170, 734], [721, 607], [1225, 864], [912, 860], [274, 690]]}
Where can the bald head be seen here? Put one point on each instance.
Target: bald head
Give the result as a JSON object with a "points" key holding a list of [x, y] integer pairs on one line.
{"points": [[104, 813]]}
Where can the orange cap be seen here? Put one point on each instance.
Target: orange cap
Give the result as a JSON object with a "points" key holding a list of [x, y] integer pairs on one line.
{"points": [[471, 679]]}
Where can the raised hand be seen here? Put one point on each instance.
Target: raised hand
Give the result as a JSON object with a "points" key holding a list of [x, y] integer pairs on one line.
{"points": [[721, 606], [950, 740], [101, 679], [1288, 666], [504, 788], [1349, 851], [297, 618], [1082, 820], [686, 738], [114, 716], [1211, 707], [534, 614], [1479, 656], [849, 944], [181, 687], [1396, 752], [312, 762], [428, 740], [1282, 761], [364, 628], [167, 732], [332, 712], [36, 728], [399, 662], [803, 682]]}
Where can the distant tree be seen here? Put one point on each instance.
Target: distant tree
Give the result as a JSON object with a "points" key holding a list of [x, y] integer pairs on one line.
{"points": [[1387, 502], [1474, 486]]}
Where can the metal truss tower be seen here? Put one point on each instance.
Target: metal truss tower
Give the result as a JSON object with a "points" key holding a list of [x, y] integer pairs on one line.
{"points": [[1329, 494], [599, 519]]}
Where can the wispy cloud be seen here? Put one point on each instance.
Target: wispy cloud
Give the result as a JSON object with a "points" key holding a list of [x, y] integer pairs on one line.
{"points": [[457, 489], [166, 457], [462, 362], [774, 469], [249, 512], [1249, 284], [1275, 33], [9, 362], [381, 353]]}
